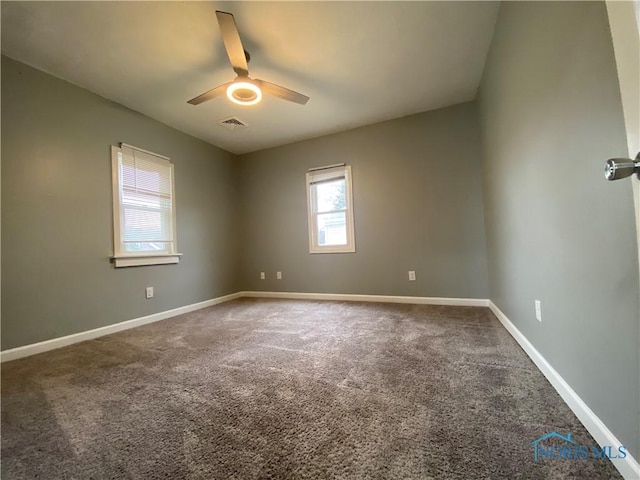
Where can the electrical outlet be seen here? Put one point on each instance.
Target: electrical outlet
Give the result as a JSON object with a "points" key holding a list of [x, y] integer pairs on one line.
{"points": [[412, 276], [262, 276], [148, 292], [538, 310], [279, 275]]}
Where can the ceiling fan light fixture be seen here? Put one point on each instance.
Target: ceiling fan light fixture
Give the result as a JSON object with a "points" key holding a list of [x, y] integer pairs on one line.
{"points": [[244, 93], [243, 90]]}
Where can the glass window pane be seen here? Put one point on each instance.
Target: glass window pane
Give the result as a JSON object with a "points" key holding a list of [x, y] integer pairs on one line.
{"points": [[332, 229], [331, 195], [144, 224], [148, 247]]}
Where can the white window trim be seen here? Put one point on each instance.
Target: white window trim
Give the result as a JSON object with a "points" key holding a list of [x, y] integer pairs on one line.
{"points": [[134, 260], [322, 175]]}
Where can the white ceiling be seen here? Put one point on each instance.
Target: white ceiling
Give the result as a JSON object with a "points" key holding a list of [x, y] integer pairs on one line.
{"points": [[360, 62]]}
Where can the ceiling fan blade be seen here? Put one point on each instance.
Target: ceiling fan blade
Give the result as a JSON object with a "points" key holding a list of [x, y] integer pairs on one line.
{"points": [[232, 43], [281, 92], [213, 93]]}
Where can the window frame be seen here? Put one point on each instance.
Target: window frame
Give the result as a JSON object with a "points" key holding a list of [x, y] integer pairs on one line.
{"points": [[322, 175], [120, 257]]}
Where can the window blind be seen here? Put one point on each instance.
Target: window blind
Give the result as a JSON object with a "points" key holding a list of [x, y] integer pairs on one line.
{"points": [[325, 174], [146, 198]]}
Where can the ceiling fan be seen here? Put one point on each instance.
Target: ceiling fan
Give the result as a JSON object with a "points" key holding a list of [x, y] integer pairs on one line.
{"points": [[243, 90]]}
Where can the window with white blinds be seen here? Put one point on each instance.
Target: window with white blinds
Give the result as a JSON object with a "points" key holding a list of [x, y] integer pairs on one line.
{"points": [[143, 207], [330, 210]]}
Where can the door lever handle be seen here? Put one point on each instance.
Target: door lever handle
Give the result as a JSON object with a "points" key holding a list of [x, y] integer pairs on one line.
{"points": [[617, 168]]}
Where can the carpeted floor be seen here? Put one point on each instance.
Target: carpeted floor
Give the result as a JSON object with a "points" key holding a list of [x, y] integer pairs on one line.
{"points": [[289, 389]]}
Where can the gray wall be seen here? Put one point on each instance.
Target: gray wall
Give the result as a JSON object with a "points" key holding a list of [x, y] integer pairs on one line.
{"points": [[556, 230], [57, 215], [418, 206]]}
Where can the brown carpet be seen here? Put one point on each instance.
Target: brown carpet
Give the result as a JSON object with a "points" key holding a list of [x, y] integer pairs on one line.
{"points": [[289, 389]]}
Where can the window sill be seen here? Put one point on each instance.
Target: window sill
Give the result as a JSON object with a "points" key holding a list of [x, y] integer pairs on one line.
{"points": [[348, 249], [140, 260]]}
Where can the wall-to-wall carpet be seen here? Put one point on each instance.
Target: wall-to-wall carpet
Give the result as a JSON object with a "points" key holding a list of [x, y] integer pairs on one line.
{"points": [[289, 389]]}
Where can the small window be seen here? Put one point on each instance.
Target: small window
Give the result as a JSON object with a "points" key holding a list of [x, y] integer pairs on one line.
{"points": [[330, 206], [144, 210]]}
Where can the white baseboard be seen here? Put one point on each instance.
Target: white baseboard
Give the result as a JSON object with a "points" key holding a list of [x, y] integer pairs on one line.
{"points": [[40, 347], [628, 466], [465, 302]]}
